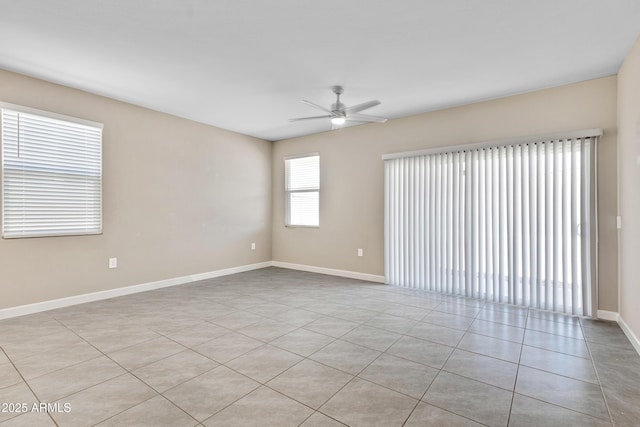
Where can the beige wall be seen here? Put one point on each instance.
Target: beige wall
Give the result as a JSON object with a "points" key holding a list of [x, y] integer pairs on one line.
{"points": [[351, 201], [179, 198], [629, 190], [182, 198]]}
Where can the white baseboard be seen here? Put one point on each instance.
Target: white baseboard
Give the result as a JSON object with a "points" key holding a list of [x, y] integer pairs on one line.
{"points": [[330, 271], [608, 315], [629, 333], [612, 315], [127, 290]]}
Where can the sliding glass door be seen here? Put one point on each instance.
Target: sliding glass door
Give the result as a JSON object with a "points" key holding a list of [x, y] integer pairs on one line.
{"points": [[512, 223]]}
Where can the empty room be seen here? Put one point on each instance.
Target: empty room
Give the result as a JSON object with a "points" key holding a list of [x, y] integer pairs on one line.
{"points": [[290, 213]]}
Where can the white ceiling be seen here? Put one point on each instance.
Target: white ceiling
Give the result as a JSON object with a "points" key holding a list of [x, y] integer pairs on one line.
{"points": [[244, 65]]}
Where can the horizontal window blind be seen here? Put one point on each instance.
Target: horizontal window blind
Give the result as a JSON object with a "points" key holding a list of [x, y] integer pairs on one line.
{"points": [[51, 175], [302, 186], [511, 223]]}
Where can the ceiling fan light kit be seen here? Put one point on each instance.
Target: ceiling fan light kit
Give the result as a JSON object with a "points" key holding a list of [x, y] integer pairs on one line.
{"points": [[339, 113]]}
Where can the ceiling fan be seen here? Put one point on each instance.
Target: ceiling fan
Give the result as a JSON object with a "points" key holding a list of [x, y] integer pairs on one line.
{"points": [[340, 113]]}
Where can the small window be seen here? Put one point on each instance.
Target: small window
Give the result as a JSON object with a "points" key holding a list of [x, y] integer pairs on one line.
{"points": [[302, 186], [51, 174]]}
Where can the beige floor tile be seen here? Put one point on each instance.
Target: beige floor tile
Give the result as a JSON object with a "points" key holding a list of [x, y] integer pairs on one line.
{"points": [[8, 374], [406, 311], [449, 320], [155, 412], [198, 334], [66, 381], [429, 415], [347, 357], [28, 328], [511, 319], [478, 401], [227, 347], [173, 370], [322, 307], [559, 363], [392, 323], [302, 342], [373, 338], [320, 420], [269, 309], [497, 330], [362, 403], [297, 317], [528, 412], [436, 333], [109, 339], [421, 351], [557, 343], [310, 382], [267, 330], [401, 375], [48, 343], [264, 363], [556, 328], [146, 353], [461, 307], [262, 407], [494, 347], [19, 400], [30, 419], [331, 326], [482, 368], [97, 403], [207, 394], [562, 391], [49, 361], [357, 315], [238, 320]]}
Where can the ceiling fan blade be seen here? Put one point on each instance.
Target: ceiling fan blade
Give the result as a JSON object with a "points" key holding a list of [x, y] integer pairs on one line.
{"points": [[363, 106], [365, 118], [314, 105], [309, 118]]}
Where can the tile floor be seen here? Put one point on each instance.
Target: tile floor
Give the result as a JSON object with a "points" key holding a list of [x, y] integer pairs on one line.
{"points": [[280, 347]]}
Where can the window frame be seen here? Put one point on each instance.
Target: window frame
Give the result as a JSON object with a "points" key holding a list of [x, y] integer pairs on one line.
{"points": [[288, 192], [10, 235]]}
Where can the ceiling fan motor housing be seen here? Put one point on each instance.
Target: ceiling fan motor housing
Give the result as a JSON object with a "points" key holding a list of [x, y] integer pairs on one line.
{"points": [[338, 107]]}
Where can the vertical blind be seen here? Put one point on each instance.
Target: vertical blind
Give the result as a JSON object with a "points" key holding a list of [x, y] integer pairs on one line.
{"points": [[302, 186], [51, 175], [512, 223]]}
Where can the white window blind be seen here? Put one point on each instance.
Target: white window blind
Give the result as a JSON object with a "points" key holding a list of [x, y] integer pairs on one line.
{"points": [[511, 223], [302, 187], [51, 174]]}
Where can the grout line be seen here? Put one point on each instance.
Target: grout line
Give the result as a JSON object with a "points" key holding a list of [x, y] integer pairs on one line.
{"points": [[515, 381], [595, 369], [25, 383], [127, 371]]}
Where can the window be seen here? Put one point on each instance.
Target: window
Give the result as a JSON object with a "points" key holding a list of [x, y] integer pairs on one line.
{"points": [[51, 174], [302, 186], [512, 223]]}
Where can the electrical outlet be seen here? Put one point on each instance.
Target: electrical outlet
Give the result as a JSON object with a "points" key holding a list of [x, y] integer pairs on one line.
{"points": [[113, 262], [253, 246], [360, 252]]}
